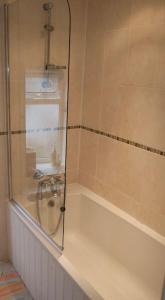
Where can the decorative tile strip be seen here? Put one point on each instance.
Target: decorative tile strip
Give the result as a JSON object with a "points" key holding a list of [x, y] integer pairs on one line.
{"points": [[99, 132], [74, 127], [18, 131], [123, 140], [45, 129], [3, 133]]}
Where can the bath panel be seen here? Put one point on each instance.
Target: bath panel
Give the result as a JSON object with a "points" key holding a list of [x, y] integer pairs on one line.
{"points": [[38, 266]]}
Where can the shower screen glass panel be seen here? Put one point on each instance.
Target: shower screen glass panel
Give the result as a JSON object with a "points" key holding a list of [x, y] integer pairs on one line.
{"points": [[38, 64]]}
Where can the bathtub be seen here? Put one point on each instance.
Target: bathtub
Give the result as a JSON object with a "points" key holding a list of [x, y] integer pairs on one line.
{"points": [[109, 254]]}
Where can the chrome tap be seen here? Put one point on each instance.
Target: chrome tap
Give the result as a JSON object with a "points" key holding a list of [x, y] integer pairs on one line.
{"points": [[52, 182], [38, 174]]}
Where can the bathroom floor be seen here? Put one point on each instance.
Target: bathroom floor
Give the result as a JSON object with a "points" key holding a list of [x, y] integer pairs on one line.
{"points": [[11, 285]]}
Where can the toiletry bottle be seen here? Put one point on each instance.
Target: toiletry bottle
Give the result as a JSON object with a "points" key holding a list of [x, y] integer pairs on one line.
{"points": [[54, 157]]}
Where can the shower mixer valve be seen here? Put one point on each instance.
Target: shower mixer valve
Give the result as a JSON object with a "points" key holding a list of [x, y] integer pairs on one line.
{"points": [[53, 182]]}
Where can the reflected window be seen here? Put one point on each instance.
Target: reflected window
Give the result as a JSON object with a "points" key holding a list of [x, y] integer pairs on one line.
{"points": [[44, 118]]}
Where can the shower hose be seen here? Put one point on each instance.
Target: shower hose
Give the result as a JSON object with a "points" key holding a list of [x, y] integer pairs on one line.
{"points": [[39, 197]]}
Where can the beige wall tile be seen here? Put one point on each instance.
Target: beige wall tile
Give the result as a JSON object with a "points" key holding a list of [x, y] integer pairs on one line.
{"points": [[116, 14], [73, 149], [60, 19], [18, 152], [135, 172], [72, 176], [88, 180], [147, 13], [159, 70], [143, 12], [95, 19], [78, 9], [88, 152], [73, 152], [116, 54], [114, 165], [18, 104], [93, 80], [135, 113], [108, 14], [2, 78], [143, 55], [159, 17]]}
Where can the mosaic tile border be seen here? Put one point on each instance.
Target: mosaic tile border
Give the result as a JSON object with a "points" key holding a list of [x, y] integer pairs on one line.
{"points": [[96, 131], [40, 130], [3, 133], [123, 140], [45, 129]]}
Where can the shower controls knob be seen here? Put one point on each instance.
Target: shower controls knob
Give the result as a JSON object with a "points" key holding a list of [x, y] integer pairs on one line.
{"points": [[62, 208]]}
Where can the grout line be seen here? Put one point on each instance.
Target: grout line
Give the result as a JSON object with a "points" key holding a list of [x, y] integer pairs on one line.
{"points": [[96, 131]]}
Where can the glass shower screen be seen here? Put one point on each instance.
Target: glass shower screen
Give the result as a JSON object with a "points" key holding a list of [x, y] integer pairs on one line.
{"points": [[38, 42]]}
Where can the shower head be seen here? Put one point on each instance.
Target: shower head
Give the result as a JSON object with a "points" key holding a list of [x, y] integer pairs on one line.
{"points": [[48, 6]]}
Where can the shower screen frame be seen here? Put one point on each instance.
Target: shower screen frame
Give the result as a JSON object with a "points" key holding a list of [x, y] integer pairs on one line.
{"points": [[5, 7]]}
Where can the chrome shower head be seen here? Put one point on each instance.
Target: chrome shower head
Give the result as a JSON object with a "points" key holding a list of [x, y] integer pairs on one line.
{"points": [[48, 6]]}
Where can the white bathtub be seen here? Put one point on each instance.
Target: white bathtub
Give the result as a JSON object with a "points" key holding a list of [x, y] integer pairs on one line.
{"points": [[111, 252], [121, 258]]}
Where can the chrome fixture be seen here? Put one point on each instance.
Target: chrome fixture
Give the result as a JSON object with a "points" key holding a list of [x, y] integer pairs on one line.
{"points": [[38, 174], [49, 28], [53, 182], [49, 187]]}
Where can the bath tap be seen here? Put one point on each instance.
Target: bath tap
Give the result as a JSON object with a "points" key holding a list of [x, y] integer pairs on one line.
{"points": [[53, 182], [56, 186], [38, 174], [41, 176]]}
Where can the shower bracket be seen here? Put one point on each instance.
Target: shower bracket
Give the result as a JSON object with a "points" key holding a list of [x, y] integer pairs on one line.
{"points": [[50, 28]]}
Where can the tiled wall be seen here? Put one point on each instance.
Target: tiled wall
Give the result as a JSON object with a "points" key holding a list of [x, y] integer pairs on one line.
{"points": [[78, 10], [123, 158], [27, 39], [3, 149]]}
